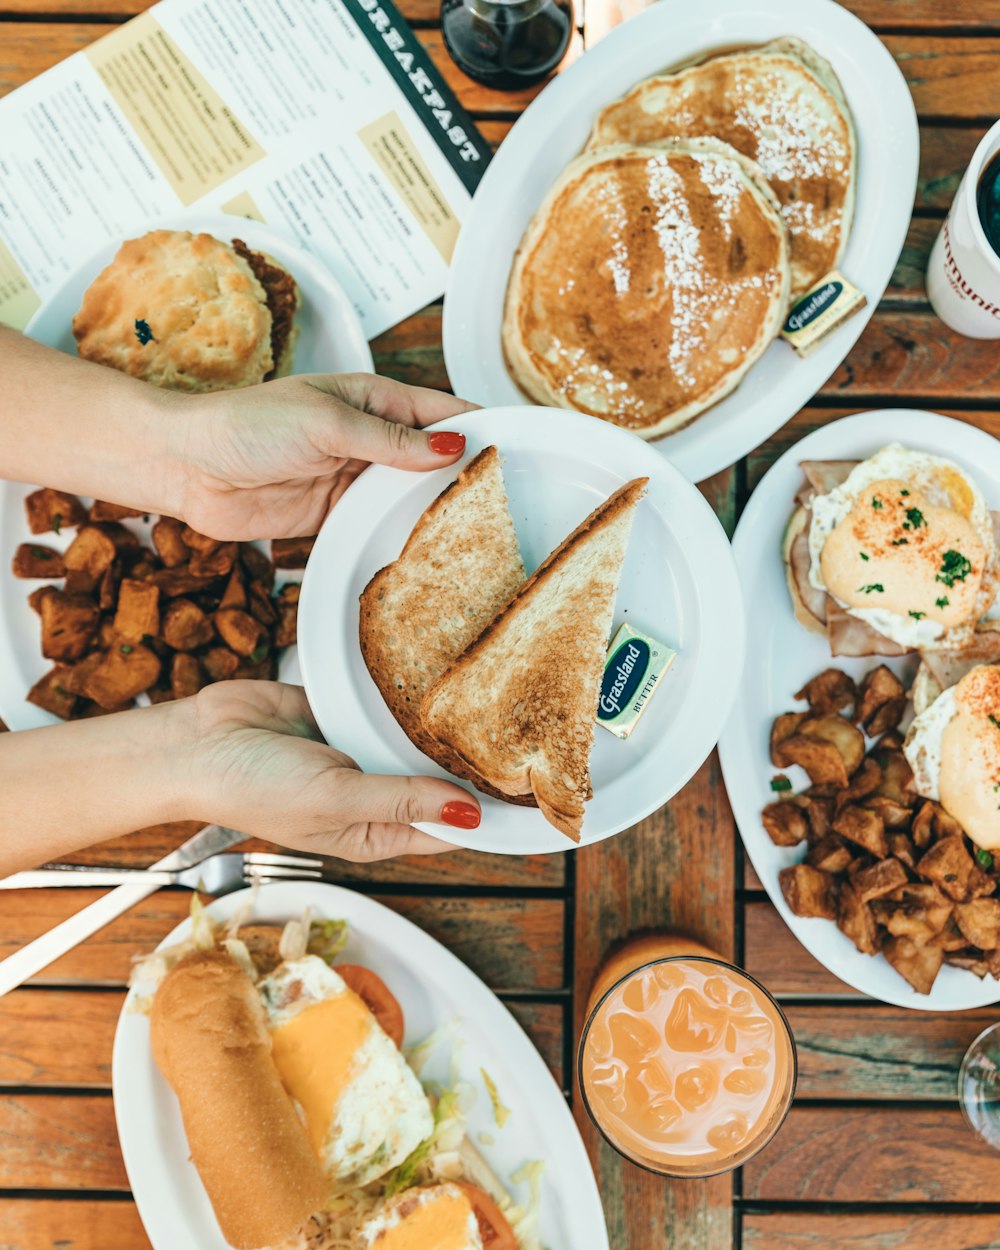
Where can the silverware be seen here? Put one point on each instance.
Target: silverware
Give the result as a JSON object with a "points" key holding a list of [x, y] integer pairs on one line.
{"points": [[219, 874], [17, 968]]}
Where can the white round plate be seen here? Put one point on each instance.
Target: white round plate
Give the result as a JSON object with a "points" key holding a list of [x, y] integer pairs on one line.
{"points": [[330, 341], [555, 128], [786, 656], [678, 584], [434, 989]]}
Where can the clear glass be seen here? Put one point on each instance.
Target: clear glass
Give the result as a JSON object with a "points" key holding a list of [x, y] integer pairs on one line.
{"points": [[717, 1069], [979, 1085], [507, 44]]}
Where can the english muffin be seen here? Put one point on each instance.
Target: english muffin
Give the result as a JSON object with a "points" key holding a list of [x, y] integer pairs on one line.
{"points": [[190, 313]]}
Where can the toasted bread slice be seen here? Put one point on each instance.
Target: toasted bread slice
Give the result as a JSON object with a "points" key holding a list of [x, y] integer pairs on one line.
{"points": [[518, 706], [459, 567]]}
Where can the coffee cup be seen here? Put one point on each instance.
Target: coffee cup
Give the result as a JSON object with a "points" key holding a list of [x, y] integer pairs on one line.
{"points": [[963, 275]]}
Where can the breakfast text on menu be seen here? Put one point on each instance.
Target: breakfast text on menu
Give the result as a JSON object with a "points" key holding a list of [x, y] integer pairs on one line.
{"points": [[323, 119]]}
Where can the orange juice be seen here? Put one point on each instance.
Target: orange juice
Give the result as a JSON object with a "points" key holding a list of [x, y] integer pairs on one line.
{"points": [[687, 1065]]}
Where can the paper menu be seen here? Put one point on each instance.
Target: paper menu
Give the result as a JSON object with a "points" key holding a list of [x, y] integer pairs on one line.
{"points": [[324, 119]]}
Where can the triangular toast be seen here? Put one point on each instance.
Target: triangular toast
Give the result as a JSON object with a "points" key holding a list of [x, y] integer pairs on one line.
{"points": [[459, 567], [518, 706]]}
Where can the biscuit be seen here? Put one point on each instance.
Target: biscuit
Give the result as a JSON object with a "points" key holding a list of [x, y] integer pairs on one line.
{"points": [[179, 310]]}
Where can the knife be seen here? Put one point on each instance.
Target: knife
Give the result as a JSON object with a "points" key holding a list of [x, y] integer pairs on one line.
{"points": [[17, 968]]}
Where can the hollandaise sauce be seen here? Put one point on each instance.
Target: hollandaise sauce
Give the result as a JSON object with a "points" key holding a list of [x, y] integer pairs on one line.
{"points": [[315, 1052], [969, 780], [687, 1065]]}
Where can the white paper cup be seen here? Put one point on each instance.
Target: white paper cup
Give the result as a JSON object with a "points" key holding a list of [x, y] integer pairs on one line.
{"points": [[963, 275]]}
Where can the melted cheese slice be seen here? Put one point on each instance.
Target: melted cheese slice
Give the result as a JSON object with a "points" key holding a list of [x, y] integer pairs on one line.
{"points": [[897, 553], [440, 1221], [969, 782], [314, 1053]]}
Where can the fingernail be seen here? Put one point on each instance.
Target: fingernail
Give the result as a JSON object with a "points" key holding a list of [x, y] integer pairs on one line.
{"points": [[448, 443], [460, 815]]}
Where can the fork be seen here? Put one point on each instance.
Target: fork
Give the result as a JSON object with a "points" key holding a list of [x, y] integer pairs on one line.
{"points": [[219, 874]]}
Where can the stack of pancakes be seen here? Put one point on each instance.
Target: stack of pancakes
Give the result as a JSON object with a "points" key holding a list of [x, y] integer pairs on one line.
{"points": [[660, 265]]}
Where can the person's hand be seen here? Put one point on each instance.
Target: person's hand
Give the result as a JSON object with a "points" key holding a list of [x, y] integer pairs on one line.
{"points": [[257, 764], [271, 460]]}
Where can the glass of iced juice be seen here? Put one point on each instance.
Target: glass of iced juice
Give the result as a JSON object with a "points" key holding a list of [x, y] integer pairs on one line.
{"points": [[687, 1064]]}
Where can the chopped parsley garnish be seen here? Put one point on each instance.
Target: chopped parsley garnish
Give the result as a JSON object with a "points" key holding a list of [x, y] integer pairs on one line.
{"points": [[899, 542], [259, 653], [994, 721], [126, 648], [65, 693], [942, 602], [914, 519], [780, 783], [875, 586], [57, 522], [41, 554], [954, 568], [142, 331], [862, 555], [904, 493], [918, 616], [876, 503], [983, 858]]}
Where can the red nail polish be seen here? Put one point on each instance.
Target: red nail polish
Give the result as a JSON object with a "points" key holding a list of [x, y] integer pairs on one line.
{"points": [[448, 443], [460, 815]]}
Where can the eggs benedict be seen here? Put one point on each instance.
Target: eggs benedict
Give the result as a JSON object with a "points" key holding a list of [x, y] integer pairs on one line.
{"points": [[363, 1106], [893, 554], [953, 748]]}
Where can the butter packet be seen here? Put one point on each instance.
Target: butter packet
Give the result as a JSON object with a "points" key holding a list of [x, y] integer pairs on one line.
{"points": [[815, 315], [634, 667]]}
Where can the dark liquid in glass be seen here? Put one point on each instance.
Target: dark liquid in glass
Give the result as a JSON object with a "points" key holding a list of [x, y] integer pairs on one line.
{"points": [[988, 202], [507, 43]]}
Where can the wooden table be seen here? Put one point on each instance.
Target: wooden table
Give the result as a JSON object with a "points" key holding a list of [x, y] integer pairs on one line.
{"points": [[874, 1153]]}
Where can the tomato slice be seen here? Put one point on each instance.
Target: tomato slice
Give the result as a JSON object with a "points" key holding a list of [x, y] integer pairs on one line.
{"points": [[494, 1230], [377, 997]]}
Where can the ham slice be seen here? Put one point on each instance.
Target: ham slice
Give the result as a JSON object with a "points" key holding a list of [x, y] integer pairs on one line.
{"points": [[850, 636], [813, 600], [823, 476], [949, 667]]}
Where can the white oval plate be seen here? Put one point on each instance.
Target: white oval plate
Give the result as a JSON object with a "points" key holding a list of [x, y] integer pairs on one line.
{"points": [[679, 584], [785, 656], [434, 989], [330, 341], [554, 129]]}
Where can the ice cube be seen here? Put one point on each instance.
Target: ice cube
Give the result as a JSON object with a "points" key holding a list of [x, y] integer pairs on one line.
{"points": [[746, 1081], [633, 1038], [729, 1134], [694, 1025], [696, 1087], [641, 993]]}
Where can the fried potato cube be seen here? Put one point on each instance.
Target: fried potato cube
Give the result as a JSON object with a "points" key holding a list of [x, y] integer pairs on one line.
{"points": [[261, 606], [138, 613], [901, 846], [88, 709], [286, 633], [979, 921], [264, 669], [785, 822], [945, 825], [49, 509], [856, 921], [90, 552], [220, 663], [214, 563], [50, 693], [79, 583], [865, 781], [69, 623], [178, 581], [881, 702], [880, 878], [238, 630], [917, 910], [186, 676], [74, 677], [101, 510], [864, 828], [196, 541], [125, 542], [897, 777], [34, 560], [821, 760], [808, 892], [829, 692], [951, 938], [784, 727], [38, 595], [918, 964], [107, 590], [949, 866], [185, 626], [922, 829], [257, 565], [969, 961], [235, 594], [292, 553], [830, 855], [125, 671], [894, 815], [169, 543]]}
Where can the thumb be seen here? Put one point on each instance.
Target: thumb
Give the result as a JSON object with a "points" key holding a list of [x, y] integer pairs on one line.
{"points": [[370, 798], [376, 440]]}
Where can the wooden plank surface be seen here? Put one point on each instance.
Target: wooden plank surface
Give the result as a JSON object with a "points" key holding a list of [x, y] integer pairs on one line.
{"points": [[70, 1224], [512, 943], [695, 827], [791, 1230], [59, 1141], [774, 955], [891, 1154]]}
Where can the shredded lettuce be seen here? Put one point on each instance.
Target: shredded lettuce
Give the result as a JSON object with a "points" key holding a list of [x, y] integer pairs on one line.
{"points": [[327, 938], [295, 937], [418, 1055], [501, 1114]]}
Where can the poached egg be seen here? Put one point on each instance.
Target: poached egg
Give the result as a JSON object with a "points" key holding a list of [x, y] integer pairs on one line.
{"points": [[363, 1107], [906, 544], [435, 1217], [953, 748]]}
